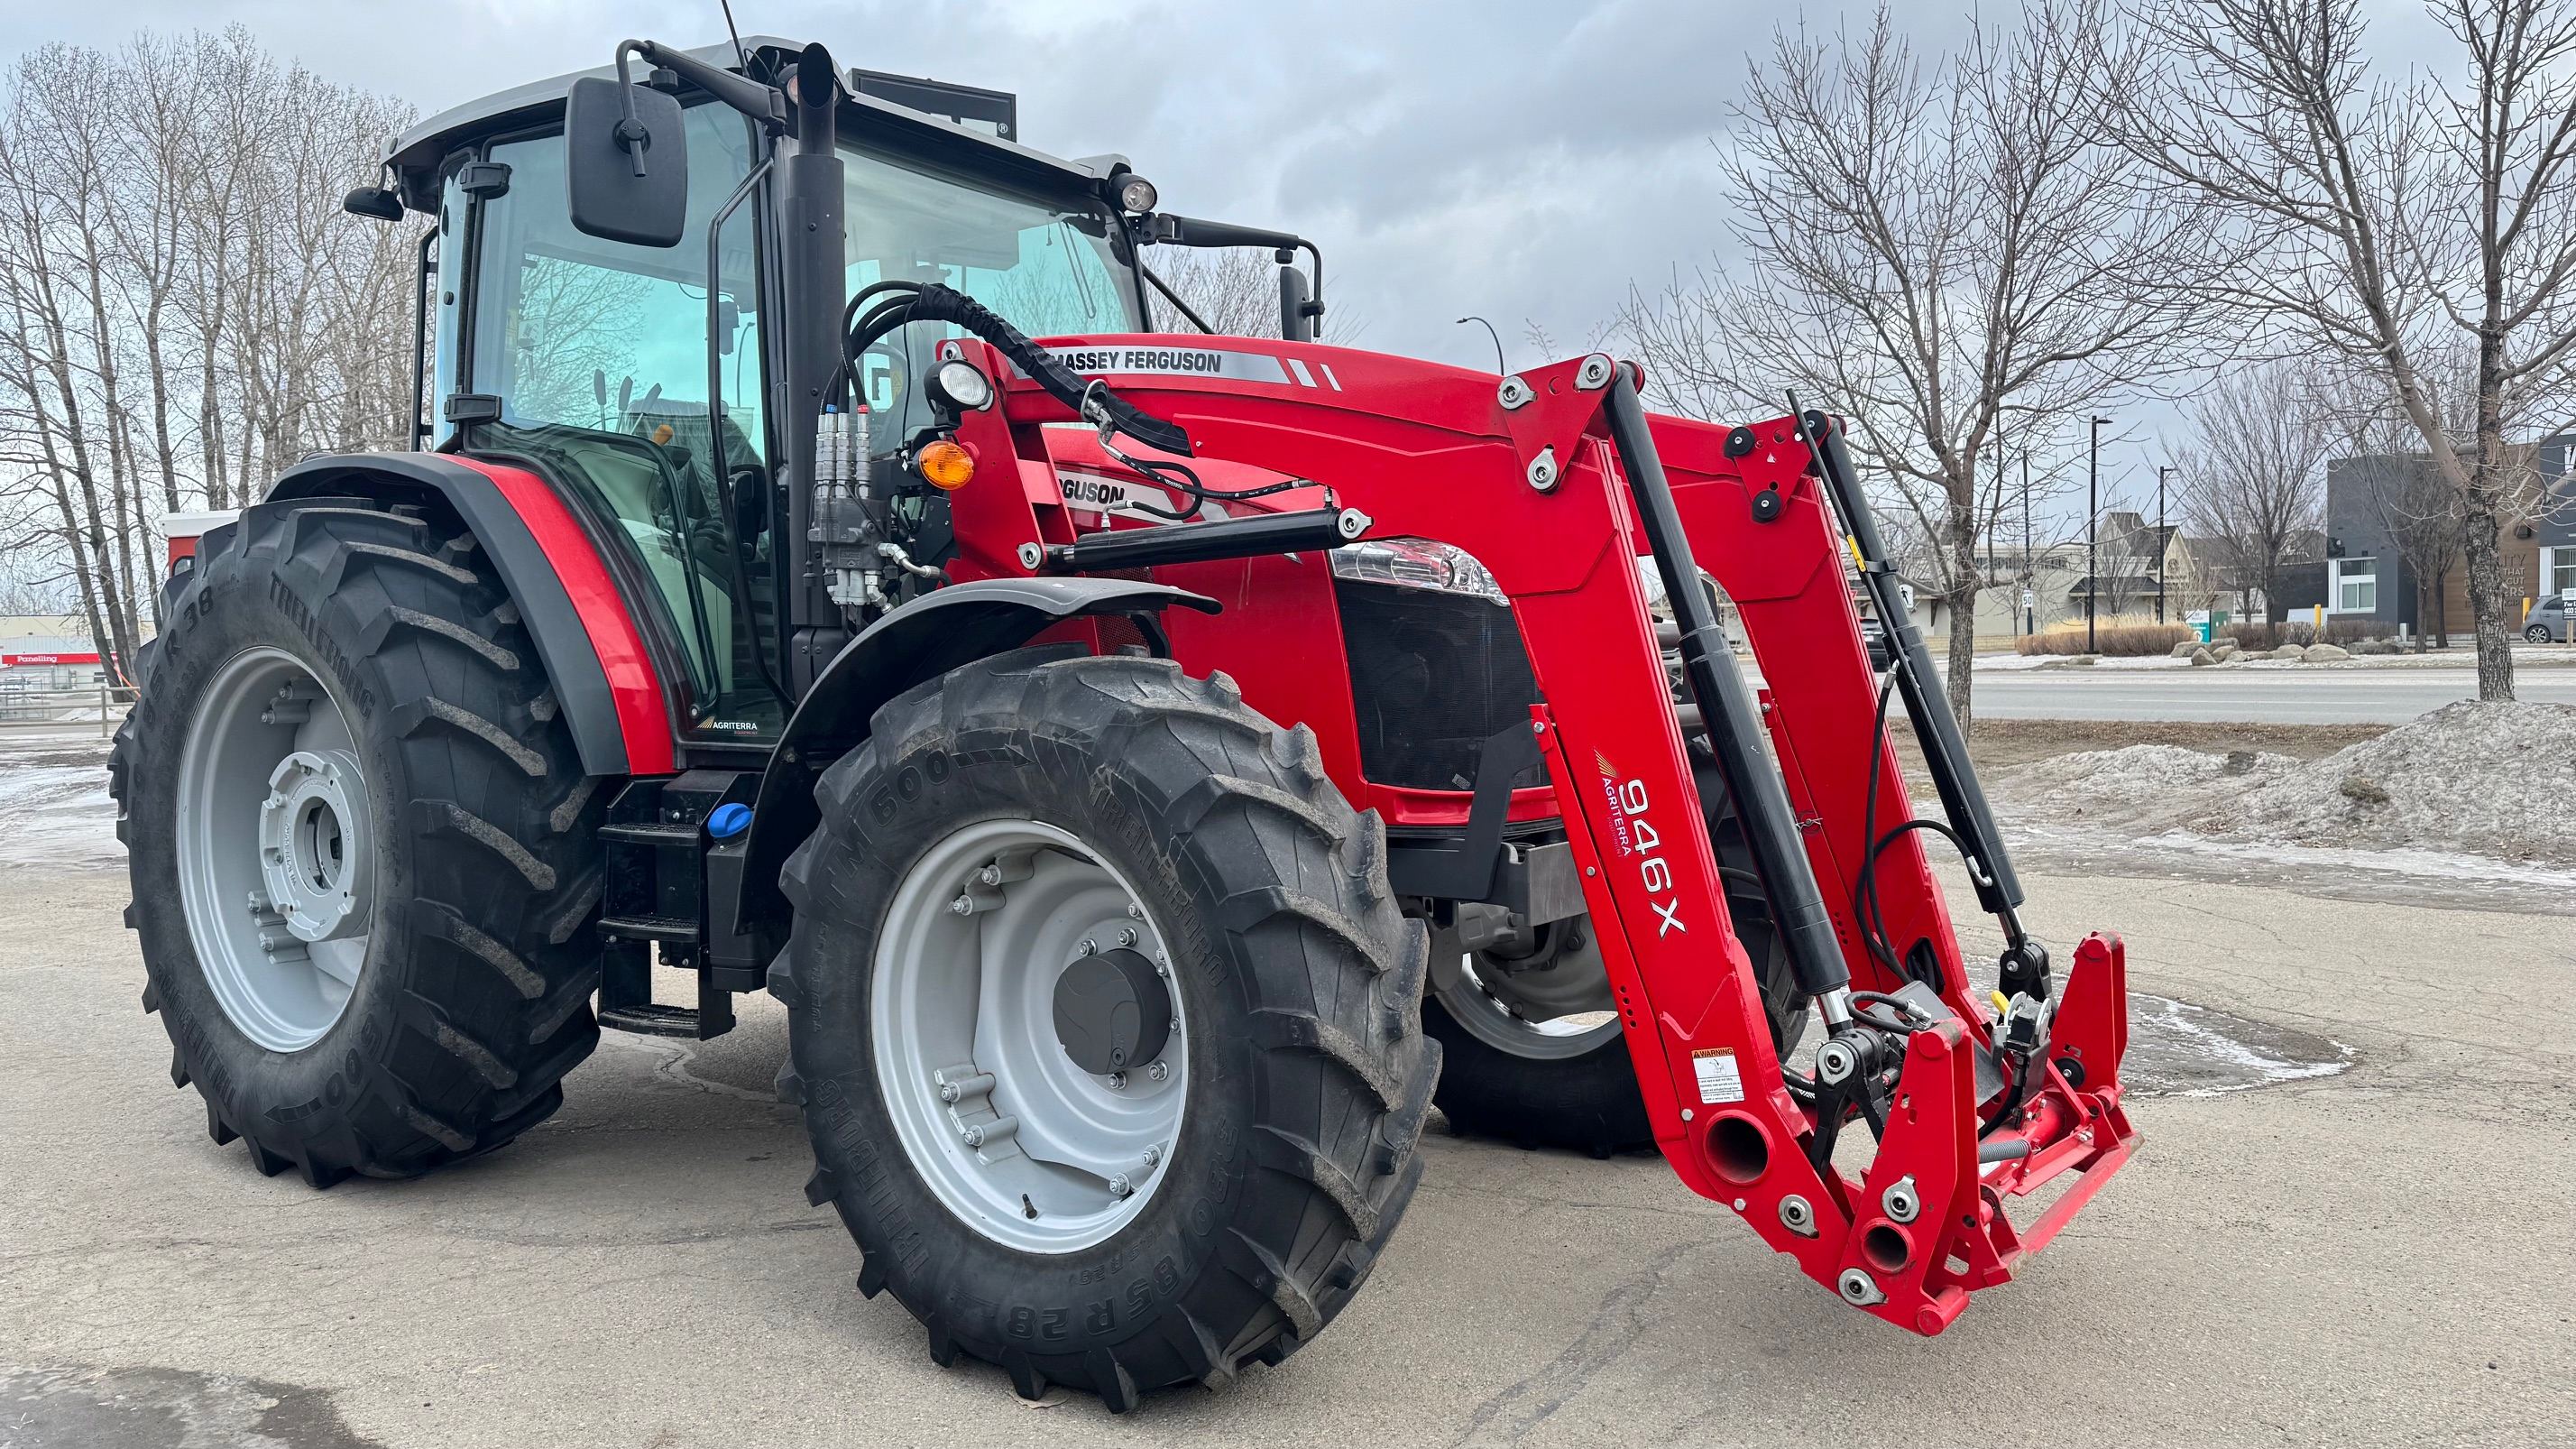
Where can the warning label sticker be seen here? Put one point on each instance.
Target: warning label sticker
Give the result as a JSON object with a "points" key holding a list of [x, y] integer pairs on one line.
{"points": [[1719, 1079]]}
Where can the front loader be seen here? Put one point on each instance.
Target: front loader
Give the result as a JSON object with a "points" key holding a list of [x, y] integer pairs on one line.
{"points": [[1135, 760]]}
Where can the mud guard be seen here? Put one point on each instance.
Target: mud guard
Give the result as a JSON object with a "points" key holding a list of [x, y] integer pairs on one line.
{"points": [[922, 640], [535, 582]]}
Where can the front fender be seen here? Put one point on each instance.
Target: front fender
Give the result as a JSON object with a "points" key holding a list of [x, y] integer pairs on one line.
{"points": [[922, 640]]}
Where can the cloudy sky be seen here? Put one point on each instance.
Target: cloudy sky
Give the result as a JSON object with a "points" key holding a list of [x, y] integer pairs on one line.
{"points": [[1521, 160]]}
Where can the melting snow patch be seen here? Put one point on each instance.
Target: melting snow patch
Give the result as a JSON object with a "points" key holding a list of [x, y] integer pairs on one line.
{"points": [[2177, 1049], [54, 806]]}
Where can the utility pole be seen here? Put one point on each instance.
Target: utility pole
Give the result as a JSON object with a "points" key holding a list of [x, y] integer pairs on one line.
{"points": [[2092, 533], [2164, 545]]}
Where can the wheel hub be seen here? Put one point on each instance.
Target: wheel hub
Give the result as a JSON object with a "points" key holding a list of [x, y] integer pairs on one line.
{"points": [[313, 852], [1112, 1012]]}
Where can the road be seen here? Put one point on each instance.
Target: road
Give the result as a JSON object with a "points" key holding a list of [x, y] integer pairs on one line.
{"points": [[2286, 695], [2328, 1261]]}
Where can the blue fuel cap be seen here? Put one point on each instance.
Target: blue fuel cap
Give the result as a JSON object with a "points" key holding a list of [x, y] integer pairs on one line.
{"points": [[728, 821]]}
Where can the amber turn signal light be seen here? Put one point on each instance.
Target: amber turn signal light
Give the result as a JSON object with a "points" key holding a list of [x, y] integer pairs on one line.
{"points": [[946, 465]]}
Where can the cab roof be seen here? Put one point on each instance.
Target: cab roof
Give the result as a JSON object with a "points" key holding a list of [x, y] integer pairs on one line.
{"points": [[416, 154]]}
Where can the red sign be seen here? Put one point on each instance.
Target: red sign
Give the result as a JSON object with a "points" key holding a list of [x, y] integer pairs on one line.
{"points": [[12, 661]]}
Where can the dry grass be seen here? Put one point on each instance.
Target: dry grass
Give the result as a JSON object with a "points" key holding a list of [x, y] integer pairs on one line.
{"points": [[2114, 638]]}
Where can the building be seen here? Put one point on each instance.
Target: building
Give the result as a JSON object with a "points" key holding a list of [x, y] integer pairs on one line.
{"points": [[2392, 553]]}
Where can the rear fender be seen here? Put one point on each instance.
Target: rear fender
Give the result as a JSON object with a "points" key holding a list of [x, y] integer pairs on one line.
{"points": [[637, 741], [922, 640]]}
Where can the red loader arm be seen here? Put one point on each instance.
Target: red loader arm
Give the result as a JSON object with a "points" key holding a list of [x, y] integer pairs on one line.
{"points": [[1558, 484]]}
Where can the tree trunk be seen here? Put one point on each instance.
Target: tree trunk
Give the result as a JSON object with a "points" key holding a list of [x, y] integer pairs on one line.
{"points": [[2486, 591], [1962, 599]]}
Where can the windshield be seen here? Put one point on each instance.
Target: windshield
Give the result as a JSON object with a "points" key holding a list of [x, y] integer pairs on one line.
{"points": [[1048, 269]]}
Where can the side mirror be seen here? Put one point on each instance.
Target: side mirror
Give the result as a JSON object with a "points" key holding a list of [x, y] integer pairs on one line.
{"points": [[1296, 323], [626, 180], [373, 201]]}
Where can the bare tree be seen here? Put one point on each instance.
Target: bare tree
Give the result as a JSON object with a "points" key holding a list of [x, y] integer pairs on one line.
{"points": [[2393, 218], [1940, 249], [2255, 483], [184, 309], [1235, 291]]}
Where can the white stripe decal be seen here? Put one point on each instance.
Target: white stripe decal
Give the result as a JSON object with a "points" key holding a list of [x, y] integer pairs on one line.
{"points": [[1328, 375], [1298, 366]]}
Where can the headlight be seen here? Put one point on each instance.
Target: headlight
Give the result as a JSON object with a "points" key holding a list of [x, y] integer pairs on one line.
{"points": [[1137, 194], [1416, 563]]}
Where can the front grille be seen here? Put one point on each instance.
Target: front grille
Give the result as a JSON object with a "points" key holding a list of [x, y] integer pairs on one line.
{"points": [[1433, 676]]}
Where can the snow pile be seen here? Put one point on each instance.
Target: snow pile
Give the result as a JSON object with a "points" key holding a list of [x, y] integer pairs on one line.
{"points": [[2491, 780], [2140, 785]]}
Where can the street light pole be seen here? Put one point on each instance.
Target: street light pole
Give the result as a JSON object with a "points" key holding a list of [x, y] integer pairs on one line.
{"points": [[2029, 575], [2164, 546], [1490, 332], [2092, 532]]}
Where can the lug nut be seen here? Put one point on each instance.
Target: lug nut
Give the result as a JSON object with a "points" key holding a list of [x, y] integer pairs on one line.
{"points": [[1136, 910], [990, 875], [1153, 1157], [1127, 936], [974, 1136], [964, 905], [1118, 1081], [1119, 1186], [1159, 1071], [1089, 947]]}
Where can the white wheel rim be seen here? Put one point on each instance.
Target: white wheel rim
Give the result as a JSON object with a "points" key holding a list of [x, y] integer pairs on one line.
{"points": [[276, 849], [1563, 1010], [1012, 1136]]}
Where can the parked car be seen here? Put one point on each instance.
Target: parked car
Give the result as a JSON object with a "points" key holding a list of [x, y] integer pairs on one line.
{"points": [[2547, 620]]}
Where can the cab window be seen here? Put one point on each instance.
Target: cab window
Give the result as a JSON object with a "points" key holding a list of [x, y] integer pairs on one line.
{"points": [[597, 352]]}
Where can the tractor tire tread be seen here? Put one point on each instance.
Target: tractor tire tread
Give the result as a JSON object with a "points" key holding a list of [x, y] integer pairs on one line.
{"points": [[1318, 943], [465, 1047]]}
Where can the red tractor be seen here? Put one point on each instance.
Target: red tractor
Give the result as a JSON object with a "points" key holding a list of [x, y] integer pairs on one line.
{"points": [[1136, 760]]}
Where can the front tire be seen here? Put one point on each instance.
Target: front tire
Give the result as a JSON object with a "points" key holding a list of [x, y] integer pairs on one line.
{"points": [[361, 850], [1011, 821]]}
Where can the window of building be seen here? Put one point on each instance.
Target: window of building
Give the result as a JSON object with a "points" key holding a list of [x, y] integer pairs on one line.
{"points": [[2354, 586], [2558, 571]]}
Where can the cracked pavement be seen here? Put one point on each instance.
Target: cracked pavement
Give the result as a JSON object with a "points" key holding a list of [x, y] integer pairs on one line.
{"points": [[2348, 1259]]}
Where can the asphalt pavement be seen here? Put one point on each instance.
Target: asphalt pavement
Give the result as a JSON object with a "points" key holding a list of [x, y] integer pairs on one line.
{"points": [[2291, 694], [2360, 1259]]}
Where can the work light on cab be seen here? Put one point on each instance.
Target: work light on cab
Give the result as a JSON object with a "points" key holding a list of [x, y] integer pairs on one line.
{"points": [[961, 386]]}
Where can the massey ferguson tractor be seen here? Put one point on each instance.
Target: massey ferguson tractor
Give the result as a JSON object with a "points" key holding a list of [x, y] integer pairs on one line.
{"points": [[1152, 769]]}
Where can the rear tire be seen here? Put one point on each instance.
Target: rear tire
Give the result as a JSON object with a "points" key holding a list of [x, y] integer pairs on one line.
{"points": [[1295, 981], [465, 998], [1505, 1079]]}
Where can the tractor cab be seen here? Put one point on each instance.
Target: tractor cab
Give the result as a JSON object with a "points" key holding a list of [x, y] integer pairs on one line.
{"points": [[645, 379]]}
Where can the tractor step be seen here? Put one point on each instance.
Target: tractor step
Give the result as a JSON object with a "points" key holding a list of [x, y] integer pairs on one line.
{"points": [[651, 1019], [649, 928]]}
